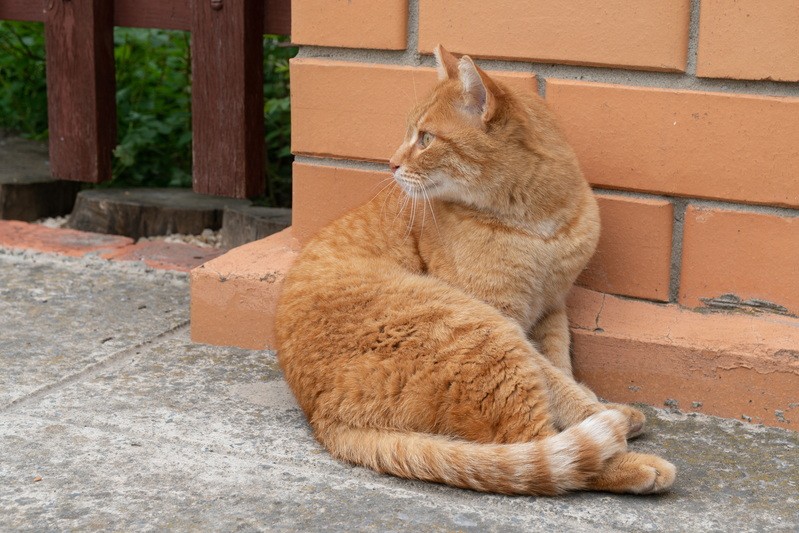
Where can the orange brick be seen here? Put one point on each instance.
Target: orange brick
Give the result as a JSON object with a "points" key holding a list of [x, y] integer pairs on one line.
{"points": [[750, 255], [749, 39], [350, 23], [686, 143], [634, 253], [358, 110], [643, 35], [21, 235], [166, 255], [324, 193], [234, 297]]}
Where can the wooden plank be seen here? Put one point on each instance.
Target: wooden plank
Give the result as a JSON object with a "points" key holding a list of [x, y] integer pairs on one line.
{"points": [[164, 14], [79, 47], [277, 17], [227, 97], [21, 10]]}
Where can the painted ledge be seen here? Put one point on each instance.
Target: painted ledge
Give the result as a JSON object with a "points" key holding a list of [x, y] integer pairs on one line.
{"points": [[731, 365], [234, 297], [726, 364]]}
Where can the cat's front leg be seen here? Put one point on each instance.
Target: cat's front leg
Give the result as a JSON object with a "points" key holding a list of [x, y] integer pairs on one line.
{"points": [[551, 335]]}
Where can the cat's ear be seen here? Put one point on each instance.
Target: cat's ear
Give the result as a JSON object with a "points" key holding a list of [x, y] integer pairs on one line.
{"points": [[446, 63], [479, 91]]}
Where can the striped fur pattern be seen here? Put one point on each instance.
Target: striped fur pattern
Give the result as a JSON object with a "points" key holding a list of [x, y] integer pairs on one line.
{"points": [[425, 335]]}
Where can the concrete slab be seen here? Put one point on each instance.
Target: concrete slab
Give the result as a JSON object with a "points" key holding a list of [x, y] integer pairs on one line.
{"points": [[60, 316], [167, 434]]}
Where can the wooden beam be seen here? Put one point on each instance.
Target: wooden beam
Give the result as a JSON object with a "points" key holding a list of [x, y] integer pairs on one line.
{"points": [[227, 97], [21, 10], [164, 14], [79, 45], [277, 17]]}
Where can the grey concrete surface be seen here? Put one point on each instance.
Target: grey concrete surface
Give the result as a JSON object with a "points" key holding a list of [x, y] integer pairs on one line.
{"points": [[149, 432]]}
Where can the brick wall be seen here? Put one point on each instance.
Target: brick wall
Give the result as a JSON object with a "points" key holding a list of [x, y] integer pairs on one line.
{"points": [[684, 115]]}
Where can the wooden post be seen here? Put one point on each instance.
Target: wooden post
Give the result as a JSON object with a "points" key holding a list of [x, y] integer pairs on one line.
{"points": [[227, 97], [79, 43]]}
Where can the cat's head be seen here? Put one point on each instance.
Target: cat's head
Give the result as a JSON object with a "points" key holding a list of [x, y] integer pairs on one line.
{"points": [[459, 141]]}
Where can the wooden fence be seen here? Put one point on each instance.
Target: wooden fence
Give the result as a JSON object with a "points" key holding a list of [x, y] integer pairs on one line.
{"points": [[227, 82]]}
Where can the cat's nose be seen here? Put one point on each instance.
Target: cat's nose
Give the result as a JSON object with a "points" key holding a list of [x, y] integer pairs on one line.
{"points": [[393, 167]]}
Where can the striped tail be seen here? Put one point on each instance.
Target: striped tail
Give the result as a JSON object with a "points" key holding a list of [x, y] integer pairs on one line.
{"points": [[548, 466]]}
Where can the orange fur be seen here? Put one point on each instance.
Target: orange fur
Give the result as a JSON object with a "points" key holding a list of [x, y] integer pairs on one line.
{"points": [[425, 335]]}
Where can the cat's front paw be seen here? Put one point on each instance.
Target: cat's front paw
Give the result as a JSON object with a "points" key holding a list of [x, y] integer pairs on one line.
{"points": [[636, 420]]}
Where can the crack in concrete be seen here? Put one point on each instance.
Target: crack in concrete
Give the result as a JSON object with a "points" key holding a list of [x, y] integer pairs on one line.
{"points": [[113, 361], [598, 313]]}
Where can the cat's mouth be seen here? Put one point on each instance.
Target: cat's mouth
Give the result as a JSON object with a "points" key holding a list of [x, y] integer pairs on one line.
{"points": [[414, 187]]}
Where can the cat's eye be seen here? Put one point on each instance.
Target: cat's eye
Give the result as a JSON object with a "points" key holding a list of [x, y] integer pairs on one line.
{"points": [[425, 138]]}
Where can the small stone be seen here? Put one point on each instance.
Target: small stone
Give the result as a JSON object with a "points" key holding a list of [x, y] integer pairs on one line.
{"points": [[696, 405], [747, 418], [37, 479], [674, 404]]}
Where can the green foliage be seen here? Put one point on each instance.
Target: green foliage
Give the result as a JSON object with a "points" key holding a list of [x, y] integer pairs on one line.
{"points": [[23, 87], [153, 73], [277, 120], [153, 108]]}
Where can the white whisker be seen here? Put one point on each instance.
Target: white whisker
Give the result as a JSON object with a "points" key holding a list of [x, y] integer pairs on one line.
{"points": [[390, 180], [409, 230], [401, 209], [432, 212], [424, 211], [381, 182], [385, 200]]}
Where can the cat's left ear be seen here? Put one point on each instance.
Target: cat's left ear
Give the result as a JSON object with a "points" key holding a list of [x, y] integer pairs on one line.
{"points": [[446, 63], [479, 91]]}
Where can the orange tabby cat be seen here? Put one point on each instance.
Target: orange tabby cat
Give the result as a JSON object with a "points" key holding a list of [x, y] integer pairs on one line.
{"points": [[435, 346]]}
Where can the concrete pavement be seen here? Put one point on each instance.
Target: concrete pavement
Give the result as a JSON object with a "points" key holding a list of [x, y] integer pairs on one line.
{"points": [[110, 418]]}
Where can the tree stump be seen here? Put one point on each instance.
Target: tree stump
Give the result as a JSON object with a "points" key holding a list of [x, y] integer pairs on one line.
{"points": [[147, 212], [27, 192], [243, 224]]}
